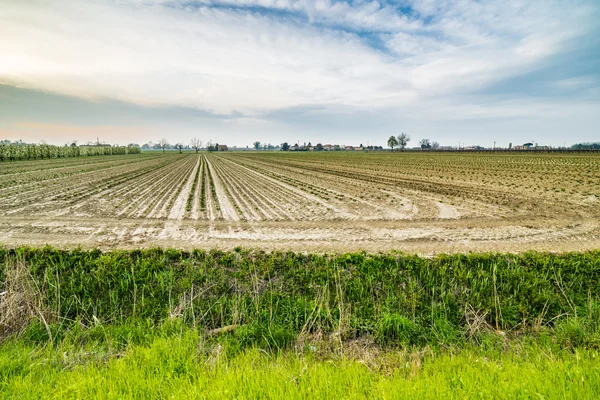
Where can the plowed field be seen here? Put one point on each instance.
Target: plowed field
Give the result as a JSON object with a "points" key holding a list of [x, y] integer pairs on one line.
{"points": [[342, 201]]}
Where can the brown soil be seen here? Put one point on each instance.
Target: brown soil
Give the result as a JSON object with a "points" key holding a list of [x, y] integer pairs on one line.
{"points": [[306, 202]]}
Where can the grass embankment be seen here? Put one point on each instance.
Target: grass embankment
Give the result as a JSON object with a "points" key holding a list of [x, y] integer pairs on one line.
{"points": [[250, 324]]}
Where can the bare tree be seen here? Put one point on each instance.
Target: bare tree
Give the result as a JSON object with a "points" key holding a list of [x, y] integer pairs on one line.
{"points": [[163, 143], [403, 140], [179, 146], [392, 141], [435, 145], [196, 144], [425, 144]]}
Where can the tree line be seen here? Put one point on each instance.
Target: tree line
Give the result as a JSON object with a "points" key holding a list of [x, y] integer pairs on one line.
{"points": [[195, 144], [586, 146], [402, 141]]}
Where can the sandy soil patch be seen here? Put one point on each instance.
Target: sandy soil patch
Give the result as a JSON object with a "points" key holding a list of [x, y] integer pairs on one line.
{"points": [[447, 211]]}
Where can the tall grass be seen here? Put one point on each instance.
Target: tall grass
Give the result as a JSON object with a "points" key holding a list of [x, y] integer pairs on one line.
{"points": [[249, 324], [272, 299]]}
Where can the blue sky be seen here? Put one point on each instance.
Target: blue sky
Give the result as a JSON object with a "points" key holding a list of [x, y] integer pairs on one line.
{"points": [[326, 71]]}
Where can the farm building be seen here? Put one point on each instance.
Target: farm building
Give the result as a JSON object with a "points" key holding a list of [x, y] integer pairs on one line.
{"points": [[530, 146], [222, 147], [95, 145], [526, 146]]}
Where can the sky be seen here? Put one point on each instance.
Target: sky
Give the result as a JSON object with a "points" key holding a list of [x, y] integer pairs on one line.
{"points": [[348, 72]]}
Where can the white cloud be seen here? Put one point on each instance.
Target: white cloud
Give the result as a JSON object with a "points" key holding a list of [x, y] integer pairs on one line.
{"points": [[234, 57], [210, 58]]}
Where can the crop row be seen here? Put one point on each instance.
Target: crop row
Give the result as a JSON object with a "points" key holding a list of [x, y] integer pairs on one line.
{"points": [[149, 196], [24, 179], [368, 178], [348, 195], [50, 192], [574, 174], [278, 186]]}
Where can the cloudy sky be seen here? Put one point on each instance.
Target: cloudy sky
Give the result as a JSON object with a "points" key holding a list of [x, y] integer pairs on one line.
{"points": [[236, 71]]}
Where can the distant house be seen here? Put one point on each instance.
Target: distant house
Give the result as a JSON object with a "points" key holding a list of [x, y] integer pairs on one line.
{"points": [[472, 148], [527, 146], [311, 148], [328, 147], [349, 148], [358, 149], [222, 147]]}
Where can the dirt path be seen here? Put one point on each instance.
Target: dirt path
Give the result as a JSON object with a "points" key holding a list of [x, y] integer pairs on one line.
{"points": [[211, 211], [413, 236], [178, 209], [195, 212], [227, 210]]}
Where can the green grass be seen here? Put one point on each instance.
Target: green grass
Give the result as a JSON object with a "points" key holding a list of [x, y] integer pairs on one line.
{"points": [[183, 364], [391, 297], [249, 324]]}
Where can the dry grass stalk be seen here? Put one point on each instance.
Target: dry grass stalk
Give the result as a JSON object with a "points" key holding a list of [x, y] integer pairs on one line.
{"points": [[21, 300], [225, 329], [476, 322]]}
